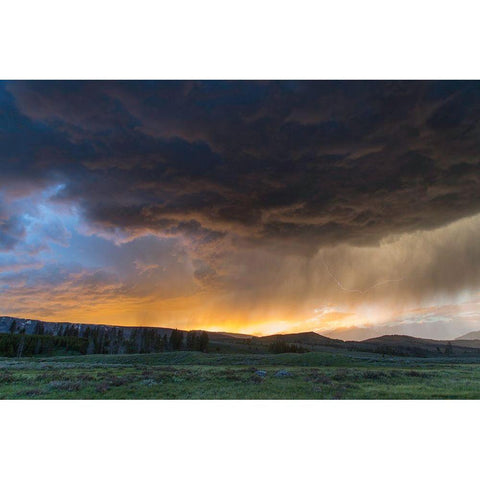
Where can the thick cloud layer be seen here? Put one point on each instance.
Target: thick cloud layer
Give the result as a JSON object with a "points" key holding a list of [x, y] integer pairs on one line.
{"points": [[313, 163], [269, 189]]}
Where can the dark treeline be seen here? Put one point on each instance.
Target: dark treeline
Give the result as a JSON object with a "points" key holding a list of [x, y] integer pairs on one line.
{"points": [[280, 346], [21, 345], [95, 339], [193, 341], [413, 351], [197, 341]]}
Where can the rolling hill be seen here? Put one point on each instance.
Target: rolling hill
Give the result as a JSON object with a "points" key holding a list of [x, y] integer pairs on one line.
{"points": [[118, 339], [470, 336]]}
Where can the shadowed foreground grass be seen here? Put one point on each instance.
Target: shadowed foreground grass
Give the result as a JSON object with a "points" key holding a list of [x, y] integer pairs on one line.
{"points": [[193, 375]]}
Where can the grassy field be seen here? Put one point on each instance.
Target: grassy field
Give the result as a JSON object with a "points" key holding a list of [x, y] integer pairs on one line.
{"points": [[193, 375]]}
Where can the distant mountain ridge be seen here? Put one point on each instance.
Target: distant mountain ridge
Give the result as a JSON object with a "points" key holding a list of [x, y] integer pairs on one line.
{"points": [[53, 328], [111, 339], [306, 338], [470, 336]]}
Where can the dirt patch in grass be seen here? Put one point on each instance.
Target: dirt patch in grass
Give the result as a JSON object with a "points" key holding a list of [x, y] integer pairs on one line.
{"points": [[102, 387], [34, 392], [375, 375], [318, 377], [6, 377], [66, 385], [418, 374], [230, 374]]}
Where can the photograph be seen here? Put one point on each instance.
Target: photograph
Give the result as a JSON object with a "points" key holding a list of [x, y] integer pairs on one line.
{"points": [[240, 239]]}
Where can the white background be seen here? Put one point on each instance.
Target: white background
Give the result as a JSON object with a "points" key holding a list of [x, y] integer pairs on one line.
{"points": [[239, 439], [247, 40]]}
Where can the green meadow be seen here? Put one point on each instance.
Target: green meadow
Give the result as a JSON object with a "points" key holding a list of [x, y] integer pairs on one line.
{"points": [[195, 375]]}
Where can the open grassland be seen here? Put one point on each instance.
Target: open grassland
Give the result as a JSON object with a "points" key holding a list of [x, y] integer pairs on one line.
{"points": [[193, 375]]}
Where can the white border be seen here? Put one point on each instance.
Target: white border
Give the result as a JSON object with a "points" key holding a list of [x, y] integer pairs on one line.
{"points": [[252, 39], [239, 439]]}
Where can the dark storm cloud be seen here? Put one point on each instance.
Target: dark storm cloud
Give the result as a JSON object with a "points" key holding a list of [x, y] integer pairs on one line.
{"points": [[30, 147], [302, 164]]}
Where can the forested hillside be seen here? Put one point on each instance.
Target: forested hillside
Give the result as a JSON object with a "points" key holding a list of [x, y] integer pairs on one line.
{"points": [[22, 337]]}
